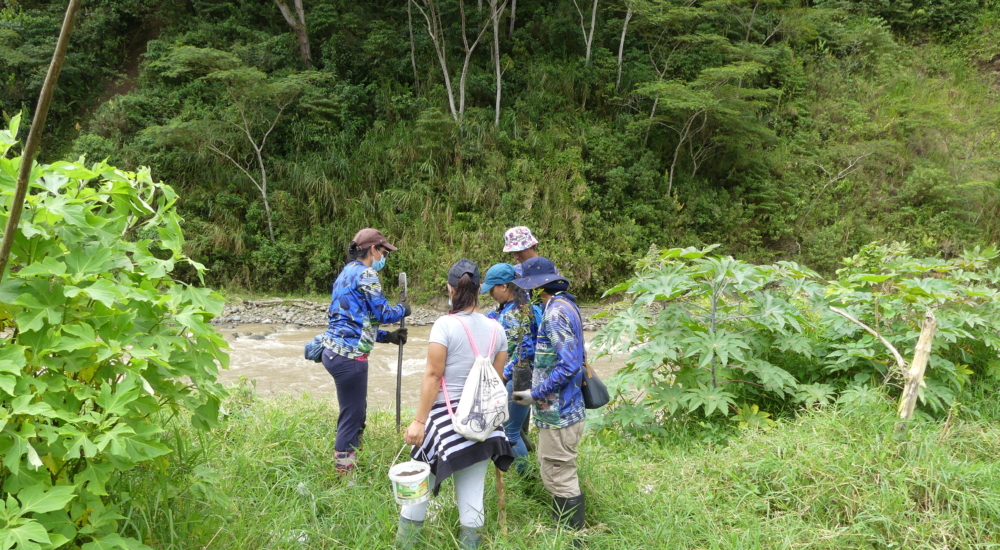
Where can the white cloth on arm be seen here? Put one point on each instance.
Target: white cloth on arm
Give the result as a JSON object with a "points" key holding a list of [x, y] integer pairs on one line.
{"points": [[469, 485], [448, 331]]}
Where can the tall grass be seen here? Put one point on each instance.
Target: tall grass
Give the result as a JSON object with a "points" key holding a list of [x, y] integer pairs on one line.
{"points": [[834, 478]]}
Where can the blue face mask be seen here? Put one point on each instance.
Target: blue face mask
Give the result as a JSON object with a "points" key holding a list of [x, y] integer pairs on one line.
{"points": [[378, 264]]}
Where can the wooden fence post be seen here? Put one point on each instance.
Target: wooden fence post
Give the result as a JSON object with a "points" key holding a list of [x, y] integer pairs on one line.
{"points": [[915, 375]]}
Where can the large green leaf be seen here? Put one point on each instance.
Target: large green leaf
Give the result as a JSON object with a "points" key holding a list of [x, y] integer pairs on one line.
{"points": [[27, 534], [88, 260], [8, 137], [37, 498], [712, 399]]}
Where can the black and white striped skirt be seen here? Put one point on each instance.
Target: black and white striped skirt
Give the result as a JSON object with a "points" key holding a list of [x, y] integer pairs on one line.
{"points": [[448, 452]]}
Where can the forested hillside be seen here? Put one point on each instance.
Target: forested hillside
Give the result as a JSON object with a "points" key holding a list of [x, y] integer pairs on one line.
{"points": [[783, 129]]}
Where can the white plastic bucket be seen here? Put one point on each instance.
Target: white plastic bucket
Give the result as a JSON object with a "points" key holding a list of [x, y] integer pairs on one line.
{"points": [[409, 482]]}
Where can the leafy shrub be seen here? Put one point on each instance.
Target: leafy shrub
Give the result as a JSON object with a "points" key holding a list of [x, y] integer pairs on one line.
{"points": [[699, 329], [99, 346], [712, 336]]}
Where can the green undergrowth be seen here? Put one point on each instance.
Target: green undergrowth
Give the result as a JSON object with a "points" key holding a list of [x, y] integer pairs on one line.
{"points": [[833, 478]]}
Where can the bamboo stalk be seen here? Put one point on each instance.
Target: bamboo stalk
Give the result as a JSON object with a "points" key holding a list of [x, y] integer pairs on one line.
{"points": [[916, 373], [35, 134]]}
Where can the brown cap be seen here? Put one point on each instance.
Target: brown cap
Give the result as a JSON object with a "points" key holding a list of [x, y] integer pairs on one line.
{"points": [[368, 237]]}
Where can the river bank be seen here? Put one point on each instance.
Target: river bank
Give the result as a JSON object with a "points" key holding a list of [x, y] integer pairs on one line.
{"points": [[304, 313], [271, 356]]}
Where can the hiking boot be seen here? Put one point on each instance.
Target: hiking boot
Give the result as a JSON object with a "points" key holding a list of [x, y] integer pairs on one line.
{"points": [[345, 461], [469, 538], [408, 533]]}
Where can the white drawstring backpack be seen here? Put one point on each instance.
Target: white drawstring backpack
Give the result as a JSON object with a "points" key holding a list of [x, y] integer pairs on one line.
{"points": [[483, 405]]}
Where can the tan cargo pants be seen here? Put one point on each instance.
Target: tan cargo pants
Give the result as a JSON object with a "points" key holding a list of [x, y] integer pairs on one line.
{"points": [[557, 459]]}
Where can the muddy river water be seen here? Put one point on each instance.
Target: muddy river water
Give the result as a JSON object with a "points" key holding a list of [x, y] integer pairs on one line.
{"points": [[275, 362]]}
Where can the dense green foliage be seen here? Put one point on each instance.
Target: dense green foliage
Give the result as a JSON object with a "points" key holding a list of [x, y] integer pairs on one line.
{"points": [[99, 346], [784, 129], [716, 336], [834, 478]]}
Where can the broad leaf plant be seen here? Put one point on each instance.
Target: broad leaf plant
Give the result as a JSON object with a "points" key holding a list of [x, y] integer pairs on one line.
{"points": [[99, 347], [709, 336]]}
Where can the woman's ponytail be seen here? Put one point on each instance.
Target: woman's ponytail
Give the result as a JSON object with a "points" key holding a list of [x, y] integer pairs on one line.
{"points": [[355, 253], [466, 294]]}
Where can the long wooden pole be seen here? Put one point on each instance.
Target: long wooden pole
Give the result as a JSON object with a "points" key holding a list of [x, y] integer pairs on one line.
{"points": [[35, 134], [502, 501], [403, 297], [916, 373]]}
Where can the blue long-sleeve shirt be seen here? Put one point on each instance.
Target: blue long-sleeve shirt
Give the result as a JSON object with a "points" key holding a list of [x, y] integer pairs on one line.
{"points": [[357, 308], [507, 316], [559, 358]]}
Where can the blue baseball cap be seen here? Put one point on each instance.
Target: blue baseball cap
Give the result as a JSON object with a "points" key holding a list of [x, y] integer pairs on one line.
{"points": [[539, 271], [499, 274]]}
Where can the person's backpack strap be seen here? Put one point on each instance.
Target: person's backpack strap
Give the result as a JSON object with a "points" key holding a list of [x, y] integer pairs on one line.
{"points": [[472, 341], [447, 400], [475, 350]]}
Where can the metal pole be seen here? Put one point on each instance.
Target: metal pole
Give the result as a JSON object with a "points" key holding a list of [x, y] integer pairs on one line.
{"points": [[35, 134], [399, 365]]}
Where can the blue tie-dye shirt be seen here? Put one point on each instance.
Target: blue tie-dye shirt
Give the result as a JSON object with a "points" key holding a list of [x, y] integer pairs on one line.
{"points": [[559, 357], [507, 316], [356, 310]]}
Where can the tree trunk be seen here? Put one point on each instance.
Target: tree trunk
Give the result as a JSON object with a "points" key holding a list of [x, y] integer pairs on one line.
{"points": [[593, 24], [513, 13], [496, 56], [468, 57], [263, 195], [433, 19], [621, 46], [915, 375], [588, 37], [652, 113], [298, 24], [413, 48]]}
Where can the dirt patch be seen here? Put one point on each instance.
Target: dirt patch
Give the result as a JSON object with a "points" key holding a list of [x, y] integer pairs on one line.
{"points": [[128, 80], [993, 68]]}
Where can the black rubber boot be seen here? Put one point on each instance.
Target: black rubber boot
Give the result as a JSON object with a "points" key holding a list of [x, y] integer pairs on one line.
{"points": [[571, 512], [469, 538], [408, 534]]}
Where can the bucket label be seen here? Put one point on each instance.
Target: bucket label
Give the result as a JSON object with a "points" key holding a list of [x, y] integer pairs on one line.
{"points": [[411, 490]]}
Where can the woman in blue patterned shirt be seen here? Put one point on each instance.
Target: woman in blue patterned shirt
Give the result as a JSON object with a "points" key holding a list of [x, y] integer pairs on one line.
{"points": [[511, 302], [555, 390], [356, 309]]}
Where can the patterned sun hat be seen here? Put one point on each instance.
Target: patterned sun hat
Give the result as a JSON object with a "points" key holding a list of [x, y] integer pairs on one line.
{"points": [[518, 238]]}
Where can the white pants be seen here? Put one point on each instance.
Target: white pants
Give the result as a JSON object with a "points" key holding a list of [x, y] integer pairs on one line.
{"points": [[469, 485]]}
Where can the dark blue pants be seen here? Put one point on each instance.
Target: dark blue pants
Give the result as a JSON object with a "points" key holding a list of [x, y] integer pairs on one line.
{"points": [[351, 378], [518, 413]]}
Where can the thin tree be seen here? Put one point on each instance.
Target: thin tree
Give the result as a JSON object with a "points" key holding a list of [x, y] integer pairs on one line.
{"points": [[413, 48], [468, 55], [35, 133], [621, 43], [298, 24], [495, 12], [435, 29], [256, 104], [588, 36], [513, 13]]}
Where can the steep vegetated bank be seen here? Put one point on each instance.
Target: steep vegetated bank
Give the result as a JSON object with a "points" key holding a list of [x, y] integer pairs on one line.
{"points": [[785, 130]]}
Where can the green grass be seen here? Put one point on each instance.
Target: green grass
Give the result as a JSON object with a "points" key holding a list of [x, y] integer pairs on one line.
{"points": [[836, 478]]}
